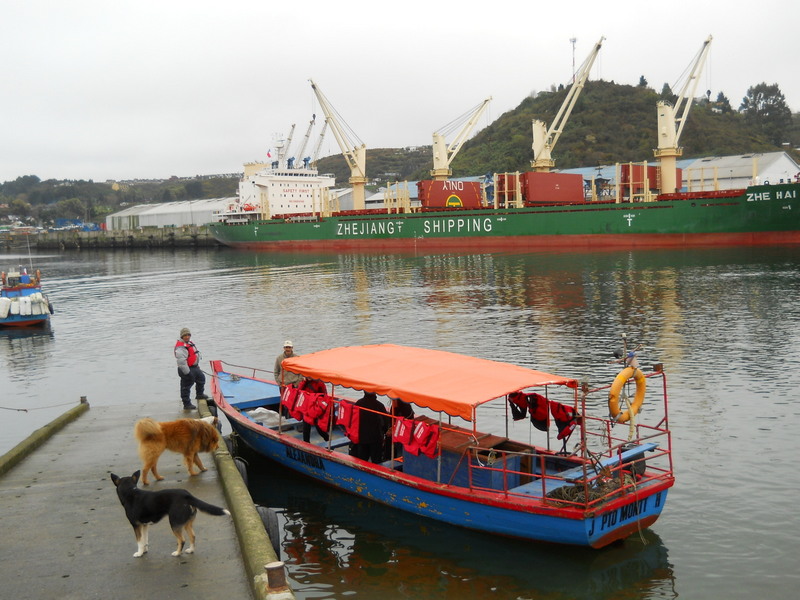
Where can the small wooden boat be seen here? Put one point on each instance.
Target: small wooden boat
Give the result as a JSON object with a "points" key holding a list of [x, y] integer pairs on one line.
{"points": [[442, 466], [22, 303]]}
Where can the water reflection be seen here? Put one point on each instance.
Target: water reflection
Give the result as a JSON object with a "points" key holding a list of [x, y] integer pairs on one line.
{"points": [[337, 545], [25, 350]]}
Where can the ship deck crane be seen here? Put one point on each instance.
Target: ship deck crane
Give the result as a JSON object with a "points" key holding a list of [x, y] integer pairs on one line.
{"points": [[354, 152], [318, 147], [544, 140], [670, 127], [443, 154], [283, 147], [303, 145]]}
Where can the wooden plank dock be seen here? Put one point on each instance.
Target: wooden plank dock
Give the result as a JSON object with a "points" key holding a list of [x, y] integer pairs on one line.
{"points": [[65, 534]]}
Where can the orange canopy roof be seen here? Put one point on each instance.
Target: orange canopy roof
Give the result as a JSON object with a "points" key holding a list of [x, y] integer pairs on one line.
{"points": [[442, 381]]}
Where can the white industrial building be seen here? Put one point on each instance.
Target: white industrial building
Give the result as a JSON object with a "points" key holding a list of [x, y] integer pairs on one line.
{"points": [[169, 214]]}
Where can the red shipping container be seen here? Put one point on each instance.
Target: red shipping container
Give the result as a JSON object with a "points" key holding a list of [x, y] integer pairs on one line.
{"points": [[449, 194], [558, 188], [635, 174]]}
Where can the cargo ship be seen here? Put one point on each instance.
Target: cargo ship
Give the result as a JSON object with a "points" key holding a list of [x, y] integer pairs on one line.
{"points": [[283, 207], [453, 215]]}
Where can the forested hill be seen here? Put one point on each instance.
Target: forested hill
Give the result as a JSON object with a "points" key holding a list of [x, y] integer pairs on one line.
{"points": [[610, 123]]}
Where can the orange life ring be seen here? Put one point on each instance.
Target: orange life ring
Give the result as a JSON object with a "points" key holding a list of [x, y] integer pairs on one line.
{"points": [[616, 388]]}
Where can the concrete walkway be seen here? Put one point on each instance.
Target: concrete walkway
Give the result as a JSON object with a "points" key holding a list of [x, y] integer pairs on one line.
{"points": [[64, 533]]}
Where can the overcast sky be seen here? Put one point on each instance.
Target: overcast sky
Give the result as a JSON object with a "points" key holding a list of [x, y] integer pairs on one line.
{"points": [[100, 89]]}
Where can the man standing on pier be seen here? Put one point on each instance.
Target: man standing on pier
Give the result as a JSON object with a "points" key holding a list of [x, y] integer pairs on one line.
{"points": [[188, 357]]}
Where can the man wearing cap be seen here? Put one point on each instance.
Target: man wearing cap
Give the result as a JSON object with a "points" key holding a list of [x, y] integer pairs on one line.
{"points": [[188, 357], [284, 378]]}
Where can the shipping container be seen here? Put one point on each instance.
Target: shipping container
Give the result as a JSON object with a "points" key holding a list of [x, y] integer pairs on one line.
{"points": [[559, 188], [453, 194]]}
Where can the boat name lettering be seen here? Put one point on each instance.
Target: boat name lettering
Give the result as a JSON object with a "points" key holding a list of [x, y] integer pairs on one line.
{"points": [[625, 513], [306, 459], [459, 225]]}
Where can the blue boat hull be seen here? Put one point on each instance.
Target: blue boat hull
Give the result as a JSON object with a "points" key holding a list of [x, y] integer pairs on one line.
{"points": [[495, 513]]}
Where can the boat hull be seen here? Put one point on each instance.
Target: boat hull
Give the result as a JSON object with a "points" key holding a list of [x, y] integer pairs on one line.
{"points": [[760, 215], [18, 321]]}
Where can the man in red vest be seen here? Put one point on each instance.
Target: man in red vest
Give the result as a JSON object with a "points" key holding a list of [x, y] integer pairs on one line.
{"points": [[188, 357]]}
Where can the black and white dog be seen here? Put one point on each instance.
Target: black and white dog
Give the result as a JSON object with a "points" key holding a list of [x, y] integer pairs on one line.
{"points": [[144, 508]]}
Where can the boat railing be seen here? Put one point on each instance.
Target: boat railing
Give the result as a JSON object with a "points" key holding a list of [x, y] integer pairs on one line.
{"points": [[253, 370], [585, 484]]}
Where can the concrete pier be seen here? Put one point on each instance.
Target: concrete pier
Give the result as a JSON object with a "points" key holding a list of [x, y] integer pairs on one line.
{"points": [[65, 534]]}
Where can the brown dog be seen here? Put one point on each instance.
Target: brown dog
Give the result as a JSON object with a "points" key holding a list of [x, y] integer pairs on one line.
{"points": [[186, 436]]}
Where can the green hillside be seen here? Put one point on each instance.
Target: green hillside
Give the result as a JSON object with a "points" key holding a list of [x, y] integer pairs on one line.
{"points": [[610, 123]]}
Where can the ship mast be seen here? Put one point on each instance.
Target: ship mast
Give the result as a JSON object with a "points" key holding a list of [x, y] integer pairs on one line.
{"points": [[354, 152], [545, 140], [670, 127], [443, 154]]}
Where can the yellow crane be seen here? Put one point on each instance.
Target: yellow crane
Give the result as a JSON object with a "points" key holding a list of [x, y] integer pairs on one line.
{"points": [[544, 140], [443, 154], [670, 127], [354, 151]]}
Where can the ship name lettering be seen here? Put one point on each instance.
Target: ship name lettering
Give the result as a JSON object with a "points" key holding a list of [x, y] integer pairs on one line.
{"points": [[367, 228], [785, 194], [459, 225], [758, 196]]}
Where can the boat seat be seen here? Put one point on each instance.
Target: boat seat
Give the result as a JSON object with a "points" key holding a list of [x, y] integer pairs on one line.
{"points": [[570, 476]]}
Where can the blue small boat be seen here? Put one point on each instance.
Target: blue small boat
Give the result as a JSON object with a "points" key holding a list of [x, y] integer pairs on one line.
{"points": [[438, 464], [22, 303]]}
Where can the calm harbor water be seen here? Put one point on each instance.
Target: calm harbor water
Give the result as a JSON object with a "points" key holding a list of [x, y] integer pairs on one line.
{"points": [[725, 323]]}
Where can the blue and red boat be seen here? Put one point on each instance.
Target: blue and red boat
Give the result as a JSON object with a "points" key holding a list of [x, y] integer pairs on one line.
{"points": [[22, 303], [592, 479]]}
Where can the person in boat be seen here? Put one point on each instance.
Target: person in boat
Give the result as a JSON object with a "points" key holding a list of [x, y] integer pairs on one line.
{"points": [[284, 378], [372, 426], [188, 358]]}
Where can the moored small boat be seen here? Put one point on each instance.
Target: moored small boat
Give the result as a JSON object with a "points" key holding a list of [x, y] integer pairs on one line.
{"points": [[438, 464], [22, 303]]}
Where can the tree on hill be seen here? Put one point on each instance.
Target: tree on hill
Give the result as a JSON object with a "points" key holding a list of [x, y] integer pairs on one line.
{"points": [[765, 107]]}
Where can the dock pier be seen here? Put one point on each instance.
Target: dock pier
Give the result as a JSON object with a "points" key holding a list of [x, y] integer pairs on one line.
{"points": [[65, 534]]}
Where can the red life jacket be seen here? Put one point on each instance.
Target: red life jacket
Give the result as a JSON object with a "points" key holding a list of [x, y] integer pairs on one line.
{"points": [[191, 360], [402, 430], [419, 439], [289, 399], [519, 405], [325, 404], [538, 409], [348, 417], [566, 419], [431, 446]]}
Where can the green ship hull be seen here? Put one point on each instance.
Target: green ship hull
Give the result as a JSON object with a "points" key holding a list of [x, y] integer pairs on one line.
{"points": [[759, 215]]}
